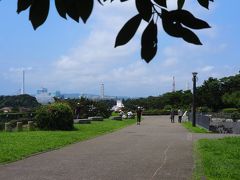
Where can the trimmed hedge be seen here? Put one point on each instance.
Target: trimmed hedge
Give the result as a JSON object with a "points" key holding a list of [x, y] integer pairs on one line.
{"points": [[56, 116], [231, 110]]}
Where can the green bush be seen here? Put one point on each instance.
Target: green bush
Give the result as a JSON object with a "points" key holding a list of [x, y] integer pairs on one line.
{"points": [[57, 116], [230, 110]]}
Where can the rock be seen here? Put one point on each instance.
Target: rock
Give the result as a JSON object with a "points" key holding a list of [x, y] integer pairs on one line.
{"points": [[19, 126], [229, 120], [8, 127], [30, 126]]}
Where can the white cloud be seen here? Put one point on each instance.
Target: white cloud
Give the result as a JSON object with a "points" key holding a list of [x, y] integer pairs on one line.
{"points": [[170, 62], [207, 69], [13, 69]]}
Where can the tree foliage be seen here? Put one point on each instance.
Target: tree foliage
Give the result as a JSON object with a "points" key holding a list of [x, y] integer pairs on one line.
{"points": [[24, 100], [178, 23], [89, 107], [214, 94], [166, 101]]}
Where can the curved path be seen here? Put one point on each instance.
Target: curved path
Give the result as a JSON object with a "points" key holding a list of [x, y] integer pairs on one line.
{"points": [[156, 149]]}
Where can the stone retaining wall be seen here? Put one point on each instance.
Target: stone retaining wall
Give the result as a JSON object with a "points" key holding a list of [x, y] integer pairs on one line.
{"points": [[219, 125]]}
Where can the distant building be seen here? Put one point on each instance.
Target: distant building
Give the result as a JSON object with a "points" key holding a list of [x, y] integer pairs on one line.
{"points": [[57, 94], [42, 91], [43, 97], [118, 106], [71, 96]]}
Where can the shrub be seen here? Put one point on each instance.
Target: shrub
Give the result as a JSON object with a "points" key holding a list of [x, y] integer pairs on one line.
{"points": [[56, 116]]}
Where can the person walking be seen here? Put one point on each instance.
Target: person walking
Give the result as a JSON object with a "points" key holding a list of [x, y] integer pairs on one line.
{"points": [[172, 115], [139, 114], [180, 114], [77, 110]]}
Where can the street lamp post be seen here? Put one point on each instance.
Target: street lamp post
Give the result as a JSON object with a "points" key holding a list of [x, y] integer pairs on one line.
{"points": [[194, 99]]}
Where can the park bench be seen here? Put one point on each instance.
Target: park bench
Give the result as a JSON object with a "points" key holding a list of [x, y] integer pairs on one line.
{"points": [[119, 118], [82, 121], [96, 118]]}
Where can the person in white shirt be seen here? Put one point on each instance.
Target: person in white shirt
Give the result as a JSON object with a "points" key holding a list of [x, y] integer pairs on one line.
{"points": [[180, 114]]}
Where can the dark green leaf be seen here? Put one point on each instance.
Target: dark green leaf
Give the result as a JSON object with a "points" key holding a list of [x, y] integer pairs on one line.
{"points": [[144, 8], [128, 31], [170, 24], [72, 7], [23, 5], [187, 19], [79, 8], [61, 8], [100, 2], [180, 4], [162, 3], [85, 9], [38, 12], [204, 3], [149, 42], [190, 37]]}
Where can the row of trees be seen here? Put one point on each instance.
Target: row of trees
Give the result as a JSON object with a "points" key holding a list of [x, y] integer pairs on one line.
{"points": [[221, 93], [214, 94], [89, 107]]}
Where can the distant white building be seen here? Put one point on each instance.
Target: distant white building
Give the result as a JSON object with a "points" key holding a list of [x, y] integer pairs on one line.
{"points": [[118, 106], [43, 97]]}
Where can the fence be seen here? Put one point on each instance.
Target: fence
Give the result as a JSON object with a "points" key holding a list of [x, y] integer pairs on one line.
{"points": [[201, 120]]}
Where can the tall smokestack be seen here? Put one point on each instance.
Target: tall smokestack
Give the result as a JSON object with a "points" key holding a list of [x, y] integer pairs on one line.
{"points": [[23, 83], [174, 88], [102, 90]]}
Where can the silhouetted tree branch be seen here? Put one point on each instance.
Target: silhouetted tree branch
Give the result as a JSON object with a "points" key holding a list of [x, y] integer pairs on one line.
{"points": [[177, 23]]}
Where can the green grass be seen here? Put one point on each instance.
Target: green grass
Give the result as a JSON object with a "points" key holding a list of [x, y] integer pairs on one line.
{"points": [[18, 145], [188, 125], [218, 159], [115, 113]]}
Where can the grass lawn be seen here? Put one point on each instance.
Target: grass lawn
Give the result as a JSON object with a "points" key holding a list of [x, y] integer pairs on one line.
{"points": [[18, 145], [218, 159], [188, 125]]}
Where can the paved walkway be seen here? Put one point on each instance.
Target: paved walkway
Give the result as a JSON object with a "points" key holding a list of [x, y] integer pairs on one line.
{"points": [[156, 149]]}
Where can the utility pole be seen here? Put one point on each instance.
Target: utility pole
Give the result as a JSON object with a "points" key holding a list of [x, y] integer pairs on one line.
{"points": [[194, 99]]}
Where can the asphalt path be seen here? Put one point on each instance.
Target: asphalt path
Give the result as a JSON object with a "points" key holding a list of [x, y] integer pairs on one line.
{"points": [[156, 149]]}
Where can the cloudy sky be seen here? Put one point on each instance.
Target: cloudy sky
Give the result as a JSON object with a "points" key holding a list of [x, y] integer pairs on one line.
{"points": [[77, 58]]}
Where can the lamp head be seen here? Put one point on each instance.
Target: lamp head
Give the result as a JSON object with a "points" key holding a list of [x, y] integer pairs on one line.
{"points": [[194, 73]]}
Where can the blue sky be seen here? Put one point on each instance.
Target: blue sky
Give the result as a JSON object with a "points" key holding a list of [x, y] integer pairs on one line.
{"points": [[73, 57]]}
